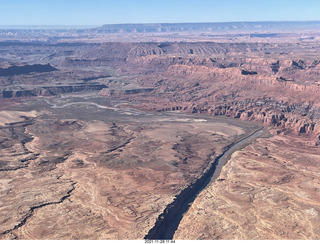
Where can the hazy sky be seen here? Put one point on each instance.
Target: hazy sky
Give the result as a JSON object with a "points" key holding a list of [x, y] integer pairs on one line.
{"points": [[98, 12]]}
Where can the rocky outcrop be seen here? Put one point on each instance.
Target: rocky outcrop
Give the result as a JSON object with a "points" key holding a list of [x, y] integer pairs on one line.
{"points": [[26, 69], [50, 90], [122, 92], [246, 72]]}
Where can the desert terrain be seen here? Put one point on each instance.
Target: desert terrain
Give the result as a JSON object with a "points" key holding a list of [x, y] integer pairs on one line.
{"points": [[160, 132], [74, 170]]}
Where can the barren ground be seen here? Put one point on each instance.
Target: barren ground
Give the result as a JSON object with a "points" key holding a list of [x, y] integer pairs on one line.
{"points": [[82, 172]]}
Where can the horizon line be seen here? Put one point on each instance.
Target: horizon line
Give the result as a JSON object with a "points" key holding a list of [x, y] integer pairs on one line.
{"points": [[193, 22]]}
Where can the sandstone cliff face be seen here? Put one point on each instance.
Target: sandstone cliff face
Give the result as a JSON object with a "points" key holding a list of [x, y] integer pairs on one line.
{"points": [[114, 54], [222, 79], [292, 106]]}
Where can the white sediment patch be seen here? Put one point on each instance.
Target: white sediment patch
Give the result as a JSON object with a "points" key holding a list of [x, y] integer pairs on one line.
{"points": [[8, 116], [187, 120], [79, 103], [312, 212]]}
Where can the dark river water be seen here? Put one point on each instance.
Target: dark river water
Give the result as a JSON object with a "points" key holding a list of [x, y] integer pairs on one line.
{"points": [[167, 231]]}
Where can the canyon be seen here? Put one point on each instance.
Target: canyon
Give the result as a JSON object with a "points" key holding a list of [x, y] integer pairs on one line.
{"points": [[109, 137]]}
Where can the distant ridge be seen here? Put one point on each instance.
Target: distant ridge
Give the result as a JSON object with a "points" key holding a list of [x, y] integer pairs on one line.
{"points": [[223, 27], [215, 26], [46, 27]]}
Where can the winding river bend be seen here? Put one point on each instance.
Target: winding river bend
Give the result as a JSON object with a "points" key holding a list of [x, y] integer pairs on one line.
{"points": [[168, 222]]}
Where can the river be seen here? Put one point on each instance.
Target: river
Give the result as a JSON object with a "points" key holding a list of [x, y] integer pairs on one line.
{"points": [[168, 222]]}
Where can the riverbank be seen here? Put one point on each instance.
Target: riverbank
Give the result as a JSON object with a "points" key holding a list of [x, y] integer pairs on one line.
{"points": [[169, 220], [267, 190]]}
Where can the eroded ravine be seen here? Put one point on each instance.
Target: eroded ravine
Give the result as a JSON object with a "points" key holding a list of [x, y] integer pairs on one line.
{"points": [[33, 208], [168, 222]]}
